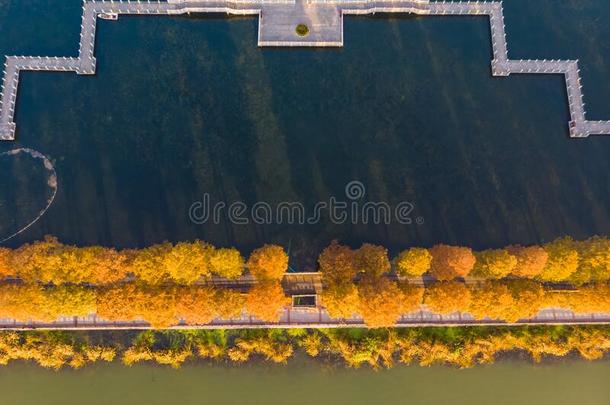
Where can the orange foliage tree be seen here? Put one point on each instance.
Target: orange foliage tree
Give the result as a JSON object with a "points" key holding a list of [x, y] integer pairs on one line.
{"points": [[594, 265], [20, 302], [562, 261], [196, 305], [530, 260], [5, 266], [412, 297], [413, 262], [491, 300], [447, 297], [341, 300], [528, 299], [337, 264], [266, 300], [381, 302], [227, 263], [494, 264], [449, 262], [269, 262], [183, 263], [34, 302], [372, 260], [49, 261], [127, 302]]}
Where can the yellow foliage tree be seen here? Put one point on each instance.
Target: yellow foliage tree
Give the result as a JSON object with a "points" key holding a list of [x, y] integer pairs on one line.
{"points": [[562, 261], [381, 302], [494, 264], [269, 262], [530, 260], [340, 300], [227, 263], [491, 300], [21, 302], [337, 264], [266, 300], [412, 298], [413, 262], [447, 297], [49, 261], [196, 305], [128, 302], [183, 263], [594, 265], [69, 300], [528, 299], [270, 348], [449, 262], [372, 260], [5, 263], [229, 303]]}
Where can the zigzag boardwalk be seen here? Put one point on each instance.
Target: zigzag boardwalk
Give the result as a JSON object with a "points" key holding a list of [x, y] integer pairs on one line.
{"points": [[277, 20]]}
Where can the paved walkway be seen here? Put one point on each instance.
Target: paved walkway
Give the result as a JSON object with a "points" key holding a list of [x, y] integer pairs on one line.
{"points": [[277, 22], [316, 318]]}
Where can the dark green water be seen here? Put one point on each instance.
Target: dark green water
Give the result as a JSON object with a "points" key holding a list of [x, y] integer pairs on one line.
{"points": [[182, 106], [501, 384]]}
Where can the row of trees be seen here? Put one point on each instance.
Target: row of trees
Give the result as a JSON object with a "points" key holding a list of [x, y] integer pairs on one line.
{"points": [[378, 300], [461, 347], [563, 260], [355, 285], [161, 306], [49, 261]]}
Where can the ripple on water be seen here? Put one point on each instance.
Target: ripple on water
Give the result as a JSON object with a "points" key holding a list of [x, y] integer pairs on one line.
{"points": [[28, 186]]}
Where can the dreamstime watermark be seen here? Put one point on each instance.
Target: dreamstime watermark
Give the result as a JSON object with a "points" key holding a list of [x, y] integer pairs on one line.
{"points": [[352, 210]]}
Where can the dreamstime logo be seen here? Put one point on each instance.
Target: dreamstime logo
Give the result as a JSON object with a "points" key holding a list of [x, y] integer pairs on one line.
{"points": [[351, 211]]}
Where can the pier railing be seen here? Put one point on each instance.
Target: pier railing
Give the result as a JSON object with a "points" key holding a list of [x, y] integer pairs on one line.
{"points": [[501, 65]]}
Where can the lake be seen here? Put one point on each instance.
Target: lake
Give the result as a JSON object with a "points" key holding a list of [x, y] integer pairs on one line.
{"points": [[182, 107], [504, 383]]}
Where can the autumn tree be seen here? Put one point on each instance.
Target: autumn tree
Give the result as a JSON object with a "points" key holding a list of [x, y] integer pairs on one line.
{"points": [[266, 300], [372, 260], [227, 263], [269, 262], [491, 300], [21, 302], [341, 300], [380, 302], [528, 299], [229, 303], [447, 297], [594, 264], [196, 305], [39, 261], [49, 261], [562, 261], [413, 262], [411, 296], [449, 262], [338, 264], [588, 299], [5, 265], [271, 345], [494, 264], [66, 300], [183, 263], [128, 302], [530, 260]]}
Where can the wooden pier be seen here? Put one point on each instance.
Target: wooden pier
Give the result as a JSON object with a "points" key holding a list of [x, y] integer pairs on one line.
{"points": [[277, 22]]}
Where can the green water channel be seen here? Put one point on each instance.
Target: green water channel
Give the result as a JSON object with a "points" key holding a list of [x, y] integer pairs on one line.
{"points": [[506, 383]]}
